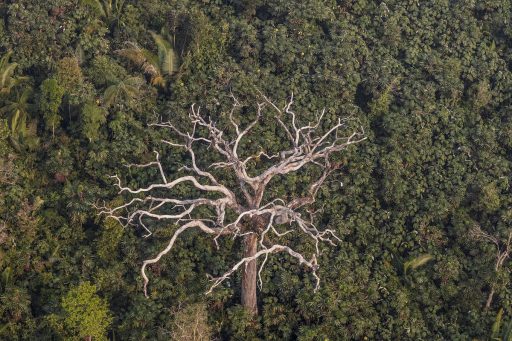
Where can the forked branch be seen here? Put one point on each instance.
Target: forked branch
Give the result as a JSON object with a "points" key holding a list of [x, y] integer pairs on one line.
{"points": [[310, 144]]}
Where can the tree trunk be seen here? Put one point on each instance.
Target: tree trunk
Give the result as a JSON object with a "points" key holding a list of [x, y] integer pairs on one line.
{"points": [[249, 274], [489, 298]]}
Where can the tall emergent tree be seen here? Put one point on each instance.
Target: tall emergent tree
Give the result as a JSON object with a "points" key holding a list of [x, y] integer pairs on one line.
{"points": [[237, 189]]}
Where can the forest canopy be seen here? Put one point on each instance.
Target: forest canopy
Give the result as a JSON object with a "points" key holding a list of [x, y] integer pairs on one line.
{"points": [[421, 209]]}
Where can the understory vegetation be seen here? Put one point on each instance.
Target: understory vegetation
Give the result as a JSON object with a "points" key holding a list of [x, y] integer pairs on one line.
{"points": [[422, 207]]}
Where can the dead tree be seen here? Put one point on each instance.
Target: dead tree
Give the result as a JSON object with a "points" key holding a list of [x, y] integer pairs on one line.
{"points": [[261, 223], [503, 249]]}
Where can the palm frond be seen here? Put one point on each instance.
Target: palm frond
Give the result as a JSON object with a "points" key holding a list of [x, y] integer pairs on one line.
{"points": [[97, 5], [134, 81], [25, 95], [119, 6], [110, 95], [151, 58], [169, 62], [127, 89], [160, 41], [133, 53], [17, 112], [7, 69], [6, 74], [155, 67], [417, 262], [167, 57], [159, 81], [497, 325], [5, 59]]}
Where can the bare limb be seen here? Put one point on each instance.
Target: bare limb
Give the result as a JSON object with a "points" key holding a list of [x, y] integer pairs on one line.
{"points": [[503, 249], [194, 223], [248, 215], [274, 249]]}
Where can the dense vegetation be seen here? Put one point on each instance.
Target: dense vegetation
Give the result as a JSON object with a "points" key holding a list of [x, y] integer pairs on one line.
{"points": [[424, 211]]}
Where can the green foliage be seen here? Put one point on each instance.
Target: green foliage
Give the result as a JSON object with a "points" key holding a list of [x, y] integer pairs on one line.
{"points": [[159, 67], [85, 313], [7, 78], [17, 111], [92, 118], [124, 90], [416, 262], [167, 57], [489, 198], [104, 7], [109, 10], [15, 304], [428, 80], [501, 331], [191, 324], [242, 326], [49, 103], [109, 240], [104, 71], [69, 74]]}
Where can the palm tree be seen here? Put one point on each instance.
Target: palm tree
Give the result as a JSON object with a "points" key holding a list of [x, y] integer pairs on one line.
{"points": [[110, 11], [167, 57], [23, 133], [126, 89], [17, 112], [156, 67], [7, 80]]}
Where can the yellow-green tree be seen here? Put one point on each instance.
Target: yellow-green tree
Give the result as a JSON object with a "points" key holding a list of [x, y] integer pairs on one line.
{"points": [[86, 315]]}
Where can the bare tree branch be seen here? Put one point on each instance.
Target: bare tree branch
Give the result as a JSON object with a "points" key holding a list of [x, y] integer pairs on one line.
{"points": [[274, 249], [503, 249], [246, 215]]}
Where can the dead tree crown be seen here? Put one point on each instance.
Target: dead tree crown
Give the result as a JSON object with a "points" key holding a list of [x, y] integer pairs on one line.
{"points": [[310, 144]]}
